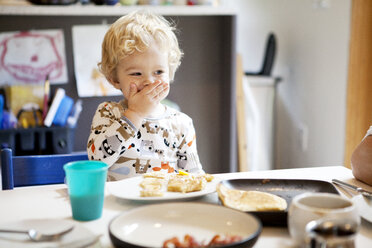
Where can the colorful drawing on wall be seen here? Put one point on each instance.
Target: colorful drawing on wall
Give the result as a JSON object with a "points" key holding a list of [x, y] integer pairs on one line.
{"points": [[87, 41], [29, 56]]}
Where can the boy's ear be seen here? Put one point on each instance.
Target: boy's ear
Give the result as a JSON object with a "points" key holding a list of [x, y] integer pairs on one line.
{"points": [[114, 83]]}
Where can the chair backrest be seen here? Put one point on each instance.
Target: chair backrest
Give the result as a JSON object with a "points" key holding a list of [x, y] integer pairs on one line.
{"points": [[269, 57], [35, 169]]}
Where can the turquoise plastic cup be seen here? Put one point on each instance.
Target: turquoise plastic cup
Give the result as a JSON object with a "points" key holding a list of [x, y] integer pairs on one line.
{"points": [[86, 186]]}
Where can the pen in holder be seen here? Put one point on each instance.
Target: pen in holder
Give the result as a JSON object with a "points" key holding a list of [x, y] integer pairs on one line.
{"points": [[46, 97]]}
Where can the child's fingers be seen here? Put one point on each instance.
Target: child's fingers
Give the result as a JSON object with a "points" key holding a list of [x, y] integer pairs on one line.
{"points": [[161, 92], [157, 88], [132, 90], [160, 89], [149, 90]]}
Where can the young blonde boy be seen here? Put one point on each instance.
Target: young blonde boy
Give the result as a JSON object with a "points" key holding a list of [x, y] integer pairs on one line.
{"points": [[140, 55]]}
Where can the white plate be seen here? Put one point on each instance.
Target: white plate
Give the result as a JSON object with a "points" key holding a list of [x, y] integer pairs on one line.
{"points": [[151, 225], [77, 237], [129, 189]]}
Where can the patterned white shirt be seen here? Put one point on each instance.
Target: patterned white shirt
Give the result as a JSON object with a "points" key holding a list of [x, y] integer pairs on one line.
{"points": [[167, 143]]}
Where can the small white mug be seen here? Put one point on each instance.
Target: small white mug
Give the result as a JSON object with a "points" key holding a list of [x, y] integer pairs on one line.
{"points": [[313, 206]]}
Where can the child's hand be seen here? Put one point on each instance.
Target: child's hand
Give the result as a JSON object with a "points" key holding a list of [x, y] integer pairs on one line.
{"points": [[142, 103]]}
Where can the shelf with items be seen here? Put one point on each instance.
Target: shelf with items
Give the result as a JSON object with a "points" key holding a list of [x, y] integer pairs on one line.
{"points": [[30, 127], [108, 10]]}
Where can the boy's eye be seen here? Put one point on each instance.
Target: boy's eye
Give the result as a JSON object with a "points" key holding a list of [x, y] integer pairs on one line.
{"points": [[159, 72], [135, 74]]}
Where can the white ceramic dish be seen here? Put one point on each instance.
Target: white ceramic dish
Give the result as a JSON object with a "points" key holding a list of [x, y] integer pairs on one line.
{"points": [[76, 238], [129, 189], [151, 225]]}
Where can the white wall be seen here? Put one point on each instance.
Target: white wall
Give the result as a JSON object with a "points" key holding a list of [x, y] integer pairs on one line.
{"points": [[312, 59]]}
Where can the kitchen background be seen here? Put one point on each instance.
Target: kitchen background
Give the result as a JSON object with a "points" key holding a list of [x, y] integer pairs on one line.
{"points": [[311, 59]]}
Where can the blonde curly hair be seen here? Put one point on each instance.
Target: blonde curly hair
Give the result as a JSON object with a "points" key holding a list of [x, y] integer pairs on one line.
{"points": [[135, 32]]}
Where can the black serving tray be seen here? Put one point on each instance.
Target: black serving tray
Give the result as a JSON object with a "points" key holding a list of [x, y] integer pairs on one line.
{"points": [[285, 188]]}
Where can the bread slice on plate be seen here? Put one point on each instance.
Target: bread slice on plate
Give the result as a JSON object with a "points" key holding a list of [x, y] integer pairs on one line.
{"points": [[250, 200]]}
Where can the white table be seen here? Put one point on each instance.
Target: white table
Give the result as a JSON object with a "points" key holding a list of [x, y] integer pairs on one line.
{"points": [[52, 202]]}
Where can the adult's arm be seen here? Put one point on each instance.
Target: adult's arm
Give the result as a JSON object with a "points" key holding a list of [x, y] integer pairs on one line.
{"points": [[361, 161]]}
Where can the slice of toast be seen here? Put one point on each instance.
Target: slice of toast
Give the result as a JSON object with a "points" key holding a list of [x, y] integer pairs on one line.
{"points": [[186, 183]]}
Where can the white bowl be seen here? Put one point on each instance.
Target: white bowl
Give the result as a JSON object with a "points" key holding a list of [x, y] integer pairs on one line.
{"points": [[151, 225]]}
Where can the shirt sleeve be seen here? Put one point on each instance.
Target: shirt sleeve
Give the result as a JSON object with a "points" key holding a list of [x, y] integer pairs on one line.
{"points": [[188, 158], [110, 134]]}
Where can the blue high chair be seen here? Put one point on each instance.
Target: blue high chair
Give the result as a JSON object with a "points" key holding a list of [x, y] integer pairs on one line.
{"points": [[17, 171]]}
